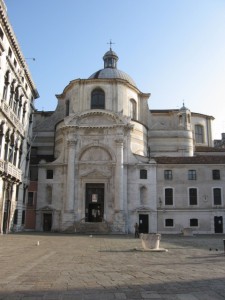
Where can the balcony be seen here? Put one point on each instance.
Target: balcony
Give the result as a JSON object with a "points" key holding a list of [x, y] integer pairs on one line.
{"points": [[8, 170], [12, 117]]}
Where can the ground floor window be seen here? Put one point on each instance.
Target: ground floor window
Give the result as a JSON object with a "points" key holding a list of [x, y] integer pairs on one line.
{"points": [[193, 222], [169, 223]]}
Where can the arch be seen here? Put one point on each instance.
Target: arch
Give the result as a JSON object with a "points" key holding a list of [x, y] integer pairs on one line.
{"points": [[105, 148], [98, 99], [95, 153]]}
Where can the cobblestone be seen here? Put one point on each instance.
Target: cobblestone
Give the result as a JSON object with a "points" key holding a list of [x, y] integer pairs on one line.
{"points": [[112, 267]]}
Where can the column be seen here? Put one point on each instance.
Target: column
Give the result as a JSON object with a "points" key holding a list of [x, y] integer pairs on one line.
{"points": [[119, 176], [70, 191]]}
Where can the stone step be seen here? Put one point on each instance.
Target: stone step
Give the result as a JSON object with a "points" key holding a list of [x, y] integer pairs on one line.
{"points": [[89, 228]]}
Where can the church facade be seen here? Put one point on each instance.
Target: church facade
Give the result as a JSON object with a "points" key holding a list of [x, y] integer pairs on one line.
{"points": [[103, 161]]}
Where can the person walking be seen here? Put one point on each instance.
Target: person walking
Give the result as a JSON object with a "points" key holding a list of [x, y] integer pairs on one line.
{"points": [[136, 230]]}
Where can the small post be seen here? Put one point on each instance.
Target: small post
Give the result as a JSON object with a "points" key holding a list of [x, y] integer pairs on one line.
{"points": [[224, 245]]}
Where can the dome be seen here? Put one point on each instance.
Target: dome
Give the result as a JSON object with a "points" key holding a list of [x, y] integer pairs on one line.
{"points": [[112, 73], [110, 69]]}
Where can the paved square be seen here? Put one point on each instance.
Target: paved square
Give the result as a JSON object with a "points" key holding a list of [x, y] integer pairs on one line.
{"points": [[76, 267]]}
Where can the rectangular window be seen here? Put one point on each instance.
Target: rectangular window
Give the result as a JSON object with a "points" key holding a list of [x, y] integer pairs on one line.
{"points": [[216, 174], [49, 174], [193, 222], [30, 198], [168, 175], [192, 175], [143, 174], [193, 199], [169, 222], [217, 199], [168, 196], [199, 133]]}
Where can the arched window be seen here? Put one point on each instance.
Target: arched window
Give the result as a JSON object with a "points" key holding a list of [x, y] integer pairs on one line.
{"points": [[98, 99], [199, 134], [11, 93], [133, 109], [143, 195], [16, 100], [49, 194], [1, 137], [6, 84], [20, 106], [7, 140], [67, 107], [24, 112]]}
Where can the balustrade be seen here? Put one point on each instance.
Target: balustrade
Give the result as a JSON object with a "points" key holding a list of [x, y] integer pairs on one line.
{"points": [[11, 115], [9, 170]]}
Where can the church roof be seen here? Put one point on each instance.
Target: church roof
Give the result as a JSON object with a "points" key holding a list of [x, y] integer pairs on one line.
{"points": [[110, 70]]}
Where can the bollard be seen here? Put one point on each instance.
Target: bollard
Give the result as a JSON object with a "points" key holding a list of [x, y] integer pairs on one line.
{"points": [[224, 245]]}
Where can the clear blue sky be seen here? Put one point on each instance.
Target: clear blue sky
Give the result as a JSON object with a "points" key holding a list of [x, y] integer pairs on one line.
{"points": [[173, 49]]}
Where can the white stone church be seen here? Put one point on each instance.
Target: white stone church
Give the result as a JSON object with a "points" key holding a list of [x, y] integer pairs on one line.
{"points": [[103, 160]]}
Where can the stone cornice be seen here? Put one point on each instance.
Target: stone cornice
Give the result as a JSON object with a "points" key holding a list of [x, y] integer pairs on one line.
{"points": [[15, 46], [99, 81]]}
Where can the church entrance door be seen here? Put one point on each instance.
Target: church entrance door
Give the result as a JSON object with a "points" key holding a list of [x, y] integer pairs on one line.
{"points": [[94, 208]]}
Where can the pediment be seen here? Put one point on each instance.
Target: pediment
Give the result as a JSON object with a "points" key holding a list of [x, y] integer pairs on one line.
{"points": [[143, 209], [46, 208]]}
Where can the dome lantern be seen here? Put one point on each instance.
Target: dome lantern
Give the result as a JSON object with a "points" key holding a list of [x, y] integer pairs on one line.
{"points": [[110, 59]]}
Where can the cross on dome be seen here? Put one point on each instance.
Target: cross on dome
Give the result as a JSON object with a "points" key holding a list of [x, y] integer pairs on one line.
{"points": [[110, 43]]}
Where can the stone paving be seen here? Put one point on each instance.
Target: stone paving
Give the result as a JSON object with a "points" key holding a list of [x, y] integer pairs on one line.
{"points": [[76, 267]]}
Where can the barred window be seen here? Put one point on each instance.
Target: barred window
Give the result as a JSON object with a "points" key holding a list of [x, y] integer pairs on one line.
{"points": [[169, 222], [143, 174], [193, 222]]}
